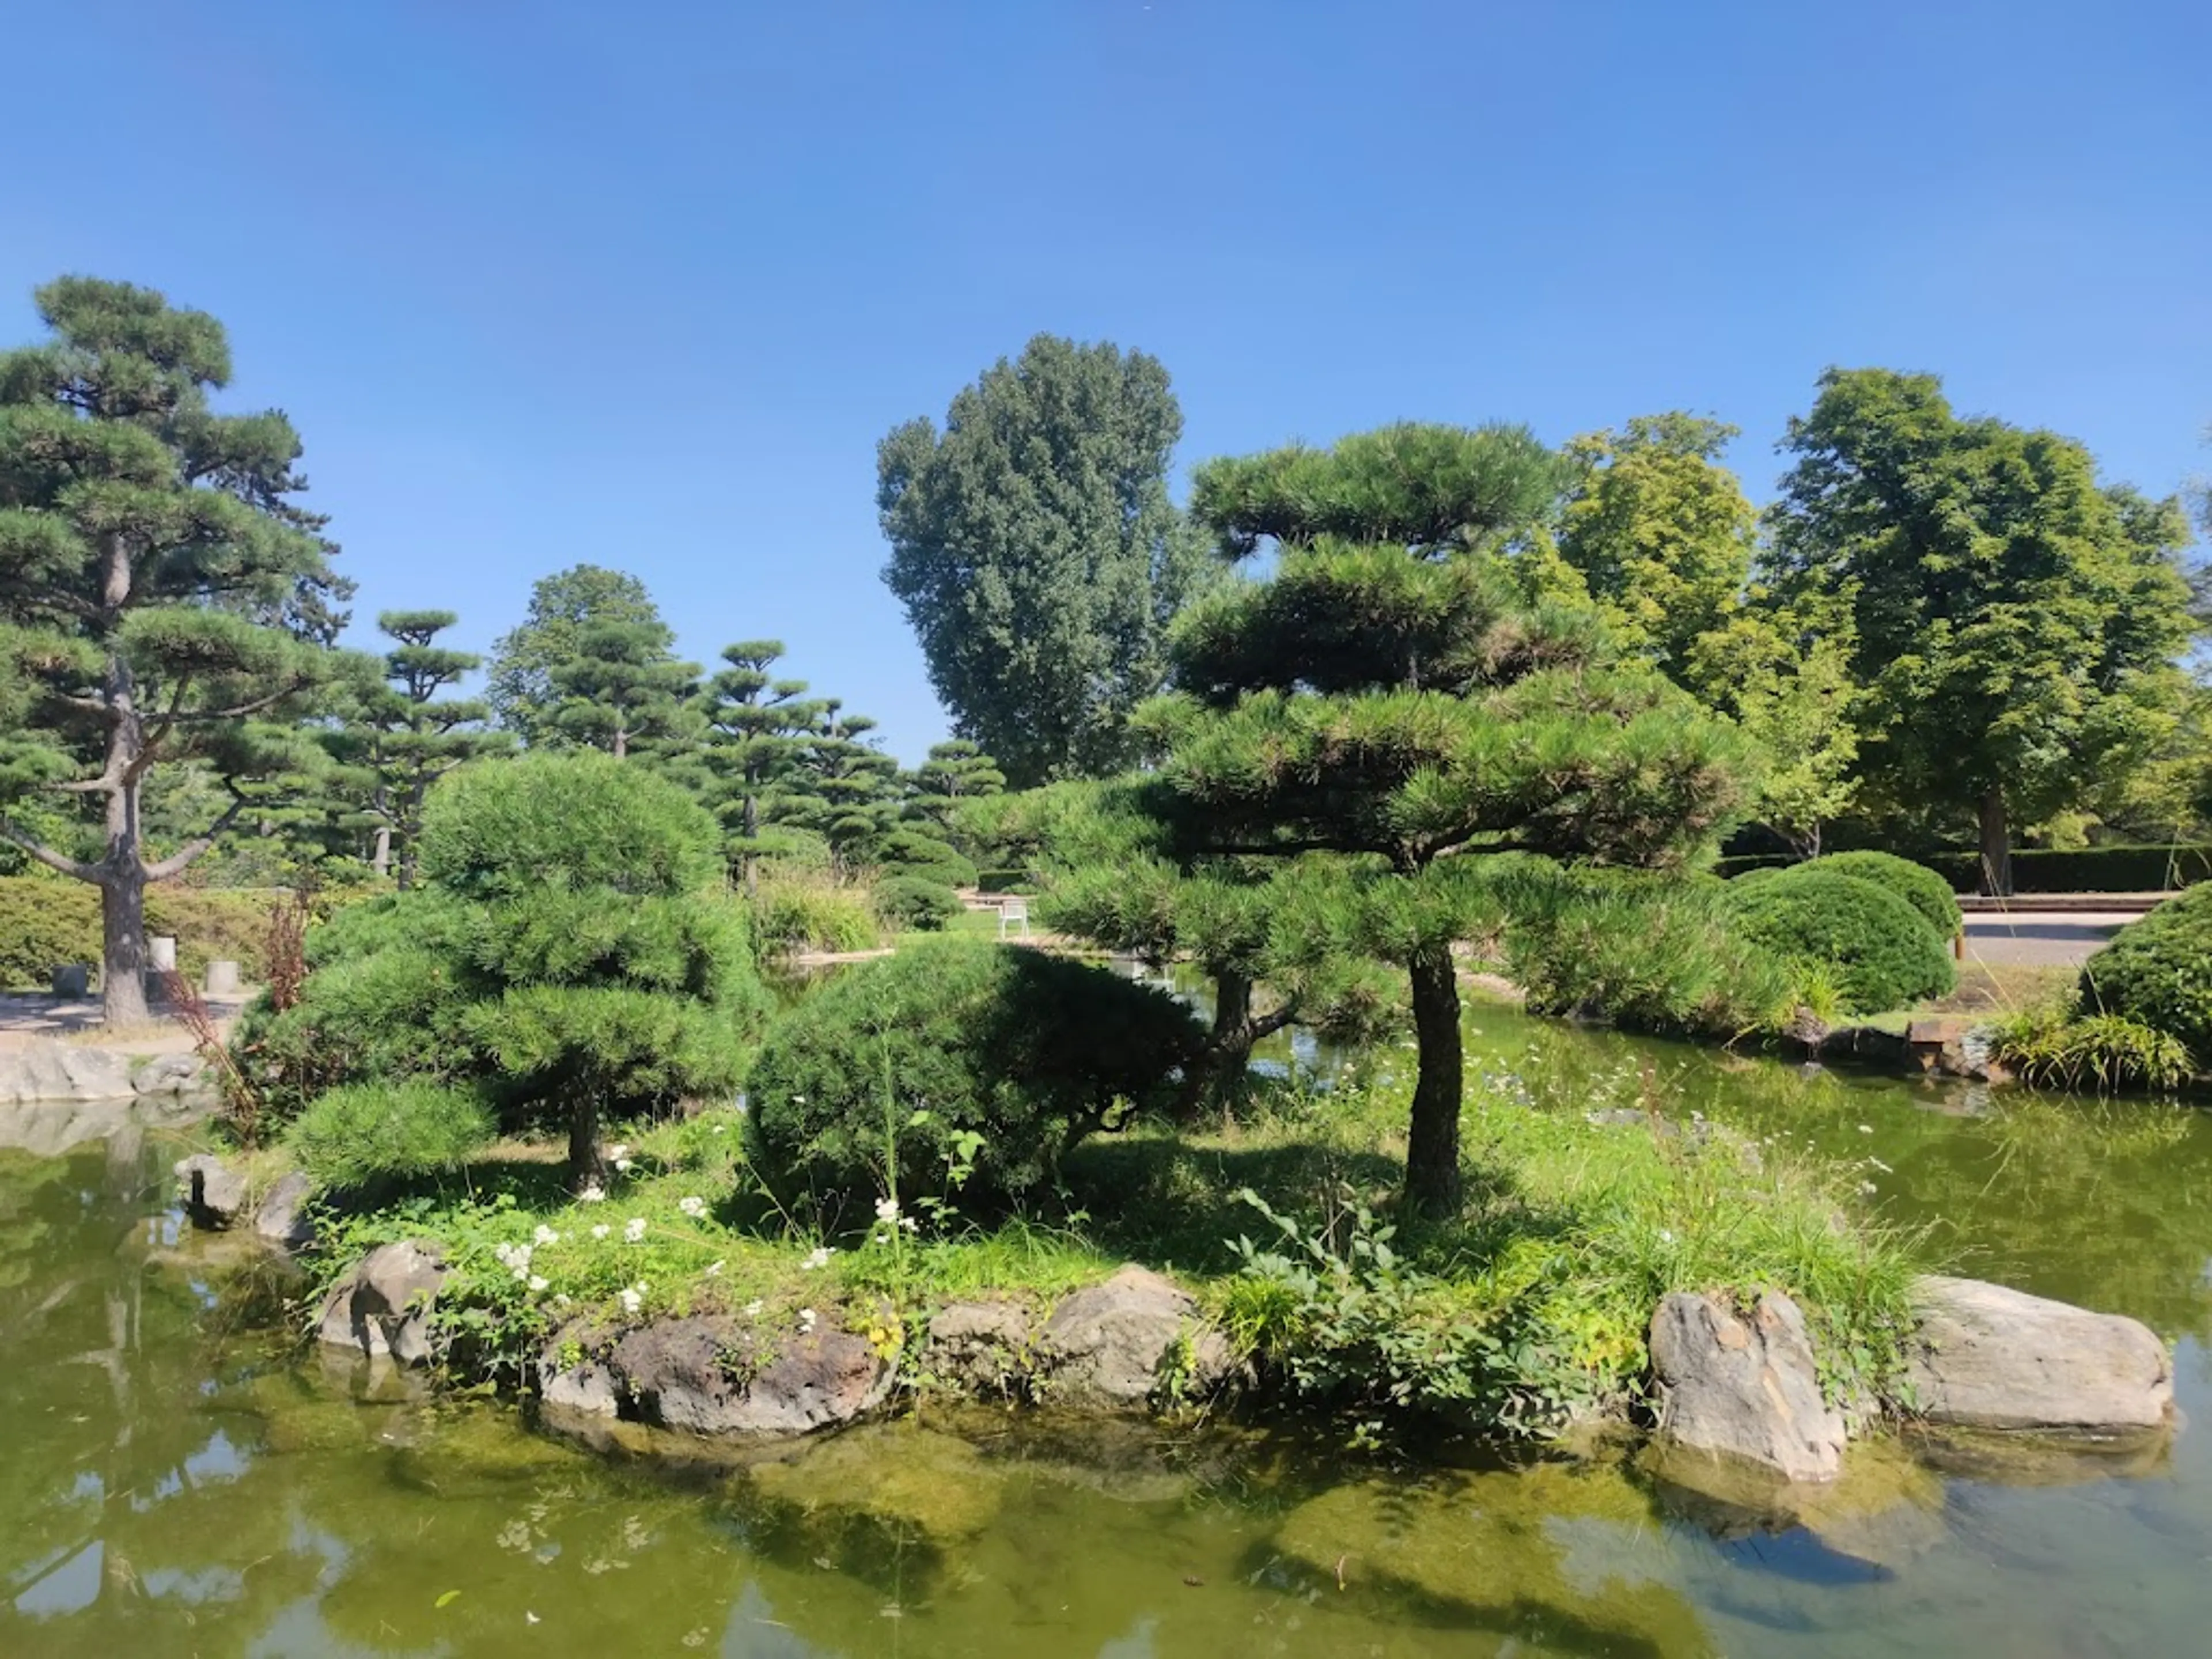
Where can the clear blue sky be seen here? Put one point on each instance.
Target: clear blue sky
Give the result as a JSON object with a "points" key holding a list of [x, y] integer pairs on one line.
{"points": [[544, 281]]}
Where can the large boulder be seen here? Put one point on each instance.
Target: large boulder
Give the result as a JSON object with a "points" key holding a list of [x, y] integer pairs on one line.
{"points": [[693, 1375], [982, 1347], [1745, 1386], [213, 1190], [382, 1308], [277, 1217], [1986, 1357], [63, 1071], [171, 1074], [1110, 1345]]}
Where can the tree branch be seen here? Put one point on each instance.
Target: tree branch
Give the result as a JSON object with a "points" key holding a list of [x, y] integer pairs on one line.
{"points": [[47, 855], [175, 863], [198, 716], [150, 748]]}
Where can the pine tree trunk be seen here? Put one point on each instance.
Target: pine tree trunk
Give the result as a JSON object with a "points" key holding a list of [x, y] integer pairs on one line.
{"points": [[1996, 847], [1432, 1182], [1228, 1046], [380, 859], [122, 940], [585, 1168]]}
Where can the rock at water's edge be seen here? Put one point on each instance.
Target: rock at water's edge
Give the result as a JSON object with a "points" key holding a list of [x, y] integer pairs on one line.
{"points": [[1745, 1386], [1107, 1344], [213, 1190], [984, 1348], [687, 1375], [170, 1074], [383, 1306], [277, 1217], [1986, 1357], [63, 1071]]}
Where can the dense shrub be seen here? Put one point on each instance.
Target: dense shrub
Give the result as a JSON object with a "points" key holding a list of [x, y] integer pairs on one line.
{"points": [[2158, 972], [1645, 953], [795, 910], [1916, 884], [918, 903], [2047, 870], [353, 1137], [45, 920], [554, 959], [911, 852], [960, 1053], [1883, 952]]}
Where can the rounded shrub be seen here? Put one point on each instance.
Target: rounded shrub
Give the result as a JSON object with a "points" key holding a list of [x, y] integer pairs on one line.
{"points": [[1884, 953], [918, 903], [964, 1068], [373, 1131], [2158, 972], [1916, 884]]}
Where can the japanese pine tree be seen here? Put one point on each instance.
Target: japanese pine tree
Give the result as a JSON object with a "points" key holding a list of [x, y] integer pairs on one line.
{"points": [[403, 737], [1391, 697], [623, 687], [169, 598], [758, 727]]}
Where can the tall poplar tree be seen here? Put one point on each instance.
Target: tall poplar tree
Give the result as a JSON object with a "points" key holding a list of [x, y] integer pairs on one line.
{"points": [[1392, 698], [2013, 626], [1038, 555], [170, 595]]}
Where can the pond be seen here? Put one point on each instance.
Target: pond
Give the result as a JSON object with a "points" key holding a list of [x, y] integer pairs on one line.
{"points": [[176, 1481]]}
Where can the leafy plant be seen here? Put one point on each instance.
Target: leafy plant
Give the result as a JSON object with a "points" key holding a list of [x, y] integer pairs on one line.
{"points": [[2102, 1052], [812, 910]]}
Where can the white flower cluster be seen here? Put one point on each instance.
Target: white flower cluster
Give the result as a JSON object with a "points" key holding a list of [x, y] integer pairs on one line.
{"points": [[817, 1257], [633, 1230], [592, 1193], [515, 1258], [806, 1322], [695, 1208], [632, 1297], [888, 1215]]}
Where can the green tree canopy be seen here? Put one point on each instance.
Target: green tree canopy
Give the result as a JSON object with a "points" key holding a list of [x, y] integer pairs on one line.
{"points": [[170, 599], [520, 687], [1400, 704], [758, 727], [621, 687], [2015, 626], [1038, 555]]}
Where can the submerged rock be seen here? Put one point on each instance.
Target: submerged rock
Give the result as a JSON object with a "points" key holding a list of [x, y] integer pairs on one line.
{"points": [[1744, 1386], [213, 1189], [1885, 1510], [382, 1308], [1111, 1344], [700, 1376], [1986, 1357], [901, 1476]]}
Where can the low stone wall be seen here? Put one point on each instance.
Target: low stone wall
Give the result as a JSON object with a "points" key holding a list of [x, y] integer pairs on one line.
{"points": [[48, 1072]]}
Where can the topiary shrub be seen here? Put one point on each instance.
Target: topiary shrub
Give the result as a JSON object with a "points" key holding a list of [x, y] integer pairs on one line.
{"points": [[960, 1053], [1884, 953], [569, 953], [373, 1132], [1916, 884], [918, 903], [912, 852], [2158, 972]]}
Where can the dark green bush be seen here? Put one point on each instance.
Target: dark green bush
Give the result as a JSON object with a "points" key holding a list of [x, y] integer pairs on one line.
{"points": [[2045, 870], [554, 960], [45, 920], [958, 1053], [356, 1136], [918, 903], [1884, 953], [2158, 972], [1916, 884], [913, 854]]}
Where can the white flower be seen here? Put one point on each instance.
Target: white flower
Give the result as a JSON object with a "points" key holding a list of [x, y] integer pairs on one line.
{"points": [[623, 1166], [562, 1300], [632, 1300], [593, 1193], [1666, 1236], [887, 1209], [1868, 1189], [633, 1230], [538, 1284], [521, 1273], [619, 1151], [545, 1235], [695, 1208], [909, 1224], [601, 1231], [819, 1257], [714, 1270], [753, 1310], [720, 1128], [1866, 1129], [806, 1322]]}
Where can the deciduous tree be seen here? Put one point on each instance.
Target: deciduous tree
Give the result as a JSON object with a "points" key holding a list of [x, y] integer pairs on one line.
{"points": [[520, 687]]}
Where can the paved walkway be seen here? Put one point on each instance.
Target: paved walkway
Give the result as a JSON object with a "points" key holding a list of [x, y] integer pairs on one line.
{"points": [[2029, 940], [28, 1018]]}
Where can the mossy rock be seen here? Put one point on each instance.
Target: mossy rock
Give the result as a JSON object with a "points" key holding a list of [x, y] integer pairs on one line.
{"points": [[908, 1478]]}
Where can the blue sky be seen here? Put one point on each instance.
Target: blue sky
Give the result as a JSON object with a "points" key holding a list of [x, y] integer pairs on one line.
{"points": [[543, 281]]}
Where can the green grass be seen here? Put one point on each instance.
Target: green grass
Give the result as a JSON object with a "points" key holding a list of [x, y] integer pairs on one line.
{"points": [[1572, 1233]]}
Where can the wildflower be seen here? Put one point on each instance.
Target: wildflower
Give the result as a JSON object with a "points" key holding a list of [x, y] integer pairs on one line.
{"points": [[721, 1128], [1866, 1129], [887, 1209], [521, 1273], [1666, 1236], [619, 1151], [752, 1310], [819, 1257], [632, 1299], [592, 1193], [545, 1235], [562, 1300], [714, 1270], [1868, 1189], [693, 1206], [624, 1165], [909, 1224], [633, 1230], [539, 1284], [806, 1322], [601, 1231]]}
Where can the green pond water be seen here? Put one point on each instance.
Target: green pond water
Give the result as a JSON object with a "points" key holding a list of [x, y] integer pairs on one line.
{"points": [[174, 1481]]}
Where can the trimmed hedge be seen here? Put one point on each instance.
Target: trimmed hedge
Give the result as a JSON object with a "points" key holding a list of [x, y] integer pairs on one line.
{"points": [[991, 1055], [918, 902], [2158, 972], [2042, 870], [45, 920], [1916, 884], [1885, 954]]}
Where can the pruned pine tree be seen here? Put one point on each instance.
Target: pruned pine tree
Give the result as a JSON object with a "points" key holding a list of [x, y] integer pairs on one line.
{"points": [[403, 736], [845, 789], [623, 688], [757, 732], [169, 599], [1391, 698], [519, 683]]}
